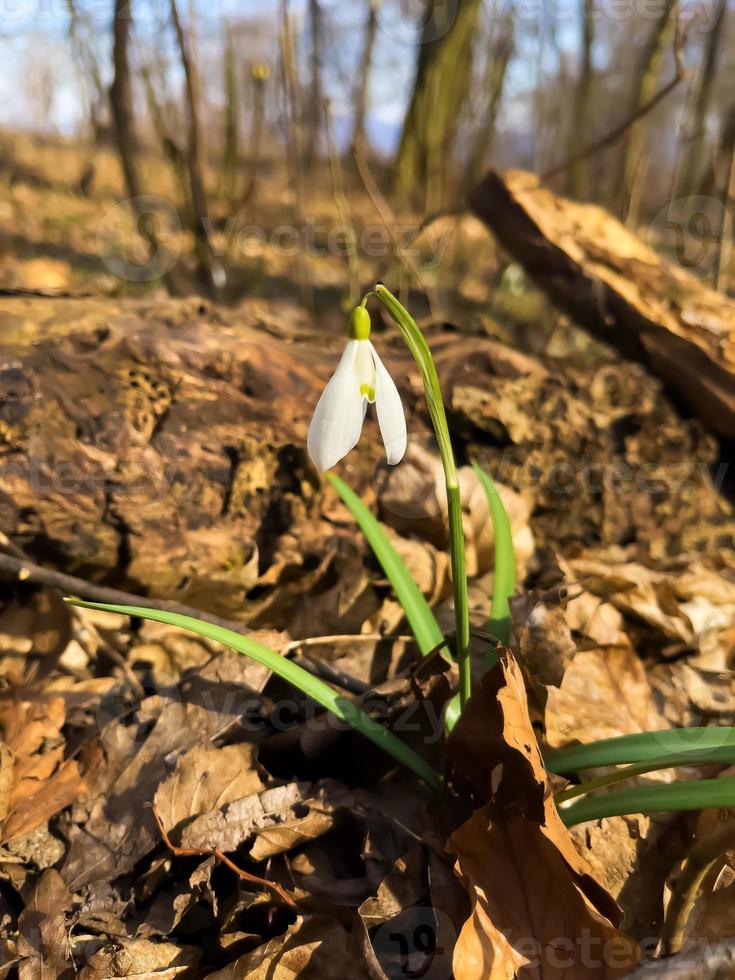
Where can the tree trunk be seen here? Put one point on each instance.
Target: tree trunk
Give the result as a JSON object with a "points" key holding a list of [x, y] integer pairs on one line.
{"points": [[579, 172], [315, 102], [362, 86], [209, 271], [231, 156], [440, 88], [644, 88], [694, 131], [495, 74]]}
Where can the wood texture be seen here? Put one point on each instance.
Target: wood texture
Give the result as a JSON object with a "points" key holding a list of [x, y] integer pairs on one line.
{"points": [[619, 289]]}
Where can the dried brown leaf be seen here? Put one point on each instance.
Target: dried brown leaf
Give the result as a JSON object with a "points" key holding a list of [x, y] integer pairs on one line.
{"points": [[206, 779], [603, 693]]}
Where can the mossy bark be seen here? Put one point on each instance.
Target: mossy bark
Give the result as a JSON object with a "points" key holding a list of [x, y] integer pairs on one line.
{"points": [[443, 78]]}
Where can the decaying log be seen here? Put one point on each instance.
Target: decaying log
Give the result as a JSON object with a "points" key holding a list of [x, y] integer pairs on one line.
{"points": [[160, 448], [620, 290]]}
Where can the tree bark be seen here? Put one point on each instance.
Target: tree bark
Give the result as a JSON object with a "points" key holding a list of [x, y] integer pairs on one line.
{"points": [[440, 88], [210, 273], [644, 87], [362, 87], [617, 288]]}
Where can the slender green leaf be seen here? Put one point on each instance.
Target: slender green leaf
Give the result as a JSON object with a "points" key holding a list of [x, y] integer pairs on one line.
{"points": [[697, 795], [418, 612], [721, 753], [416, 343], [637, 748], [504, 580], [313, 687]]}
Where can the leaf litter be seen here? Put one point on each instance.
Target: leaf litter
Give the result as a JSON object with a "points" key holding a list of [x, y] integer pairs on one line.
{"points": [[168, 809]]}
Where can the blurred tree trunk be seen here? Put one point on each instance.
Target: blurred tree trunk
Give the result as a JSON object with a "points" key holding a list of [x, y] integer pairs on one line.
{"points": [[315, 103], [644, 87], [694, 129], [209, 271], [121, 103], [579, 172], [726, 145], [362, 86], [495, 74], [89, 70], [443, 78], [231, 154], [121, 99]]}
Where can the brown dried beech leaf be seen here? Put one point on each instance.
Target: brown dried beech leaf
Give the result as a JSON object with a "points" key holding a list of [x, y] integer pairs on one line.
{"points": [[35, 781], [537, 910], [205, 779], [143, 960], [316, 948], [43, 935], [603, 693]]}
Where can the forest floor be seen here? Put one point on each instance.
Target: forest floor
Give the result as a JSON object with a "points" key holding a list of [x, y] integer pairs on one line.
{"points": [[169, 808]]}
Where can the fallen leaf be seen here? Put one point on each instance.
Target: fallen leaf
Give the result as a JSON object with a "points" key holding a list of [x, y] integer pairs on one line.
{"points": [[603, 693], [205, 779], [316, 948], [519, 839]]}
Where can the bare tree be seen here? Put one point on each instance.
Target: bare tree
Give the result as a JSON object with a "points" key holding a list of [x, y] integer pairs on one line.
{"points": [[315, 98], [496, 70], [362, 84], [441, 85], [696, 121], [645, 83], [209, 270], [231, 155], [578, 172]]}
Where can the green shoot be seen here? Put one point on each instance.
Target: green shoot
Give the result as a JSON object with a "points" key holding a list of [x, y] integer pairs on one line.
{"points": [[672, 797], [340, 706], [642, 747], [422, 355], [418, 612]]}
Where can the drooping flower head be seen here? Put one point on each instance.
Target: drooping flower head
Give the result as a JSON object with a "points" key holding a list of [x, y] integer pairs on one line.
{"points": [[360, 379]]}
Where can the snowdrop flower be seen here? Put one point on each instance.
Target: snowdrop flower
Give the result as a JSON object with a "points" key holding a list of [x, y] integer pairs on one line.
{"points": [[360, 379]]}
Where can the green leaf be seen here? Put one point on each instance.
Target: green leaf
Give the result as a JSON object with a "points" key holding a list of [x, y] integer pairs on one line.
{"points": [[504, 580], [313, 687], [697, 795], [418, 612], [721, 753], [642, 747]]}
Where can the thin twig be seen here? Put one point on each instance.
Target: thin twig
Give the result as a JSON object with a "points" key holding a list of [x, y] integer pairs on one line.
{"points": [[389, 220], [680, 73], [221, 856], [24, 570]]}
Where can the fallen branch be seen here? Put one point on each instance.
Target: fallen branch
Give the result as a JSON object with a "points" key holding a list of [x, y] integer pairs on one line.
{"points": [[23, 570]]}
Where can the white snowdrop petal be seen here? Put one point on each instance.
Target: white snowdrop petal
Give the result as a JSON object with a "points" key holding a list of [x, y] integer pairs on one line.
{"points": [[337, 423], [389, 407]]}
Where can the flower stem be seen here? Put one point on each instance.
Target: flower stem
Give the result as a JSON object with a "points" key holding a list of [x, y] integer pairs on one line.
{"points": [[422, 355]]}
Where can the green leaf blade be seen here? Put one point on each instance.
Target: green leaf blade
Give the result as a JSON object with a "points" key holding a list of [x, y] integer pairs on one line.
{"points": [[420, 618], [641, 747], [672, 797], [292, 673]]}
